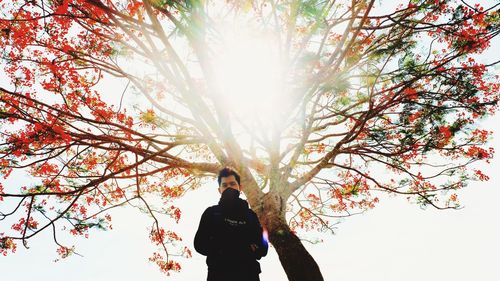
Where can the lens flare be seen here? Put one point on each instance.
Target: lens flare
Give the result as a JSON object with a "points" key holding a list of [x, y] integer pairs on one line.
{"points": [[248, 72], [265, 237]]}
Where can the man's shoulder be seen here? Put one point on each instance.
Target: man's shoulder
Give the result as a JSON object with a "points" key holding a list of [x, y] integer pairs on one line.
{"points": [[212, 209]]}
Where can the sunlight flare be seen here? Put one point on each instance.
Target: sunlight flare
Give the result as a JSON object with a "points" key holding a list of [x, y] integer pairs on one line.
{"points": [[248, 72]]}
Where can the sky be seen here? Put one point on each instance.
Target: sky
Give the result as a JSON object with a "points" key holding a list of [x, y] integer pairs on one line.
{"points": [[394, 241]]}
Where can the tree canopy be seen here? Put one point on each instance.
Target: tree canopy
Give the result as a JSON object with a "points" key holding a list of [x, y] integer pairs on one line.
{"points": [[320, 105]]}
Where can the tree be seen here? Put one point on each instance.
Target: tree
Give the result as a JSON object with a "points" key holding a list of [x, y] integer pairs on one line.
{"points": [[369, 102]]}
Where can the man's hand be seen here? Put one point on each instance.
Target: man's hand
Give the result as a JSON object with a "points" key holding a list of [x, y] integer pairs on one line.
{"points": [[254, 247]]}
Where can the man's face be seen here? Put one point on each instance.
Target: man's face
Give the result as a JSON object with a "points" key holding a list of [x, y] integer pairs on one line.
{"points": [[228, 182]]}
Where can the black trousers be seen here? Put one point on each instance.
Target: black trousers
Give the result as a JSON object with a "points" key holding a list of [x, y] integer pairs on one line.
{"points": [[232, 276]]}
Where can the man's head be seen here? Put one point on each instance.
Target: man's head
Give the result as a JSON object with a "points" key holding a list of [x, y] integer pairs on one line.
{"points": [[228, 178]]}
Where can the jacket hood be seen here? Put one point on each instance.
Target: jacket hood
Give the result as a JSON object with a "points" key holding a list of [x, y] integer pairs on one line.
{"points": [[234, 208]]}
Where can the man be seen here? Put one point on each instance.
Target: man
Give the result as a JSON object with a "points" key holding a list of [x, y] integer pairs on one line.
{"points": [[230, 234]]}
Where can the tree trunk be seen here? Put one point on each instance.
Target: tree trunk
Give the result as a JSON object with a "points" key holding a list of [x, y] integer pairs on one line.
{"points": [[298, 264]]}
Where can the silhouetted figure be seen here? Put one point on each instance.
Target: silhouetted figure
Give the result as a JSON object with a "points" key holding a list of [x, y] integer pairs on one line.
{"points": [[230, 235]]}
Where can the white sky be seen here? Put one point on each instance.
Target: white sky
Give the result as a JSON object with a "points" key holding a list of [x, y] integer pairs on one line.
{"points": [[394, 241]]}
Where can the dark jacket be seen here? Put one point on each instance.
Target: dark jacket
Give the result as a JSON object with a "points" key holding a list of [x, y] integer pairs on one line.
{"points": [[225, 234]]}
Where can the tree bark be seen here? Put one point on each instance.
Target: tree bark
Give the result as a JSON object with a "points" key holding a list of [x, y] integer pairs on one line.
{"points": [[298, 264]]}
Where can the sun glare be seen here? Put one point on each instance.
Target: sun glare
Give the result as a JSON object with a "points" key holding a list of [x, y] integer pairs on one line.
{"points": [[248, 73]]}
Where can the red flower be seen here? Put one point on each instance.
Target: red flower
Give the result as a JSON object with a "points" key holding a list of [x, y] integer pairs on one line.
{"points": [[410, 93]]}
